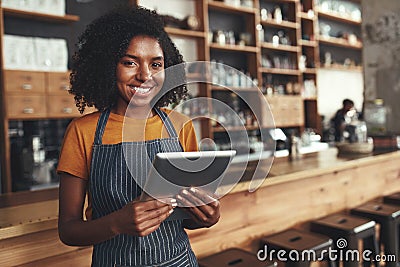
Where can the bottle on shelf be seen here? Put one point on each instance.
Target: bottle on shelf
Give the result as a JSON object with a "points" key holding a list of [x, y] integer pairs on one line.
{"points": [[278, 14]]}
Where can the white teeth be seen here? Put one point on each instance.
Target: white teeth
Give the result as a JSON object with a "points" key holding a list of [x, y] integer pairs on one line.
{"points": [[141, 89]]}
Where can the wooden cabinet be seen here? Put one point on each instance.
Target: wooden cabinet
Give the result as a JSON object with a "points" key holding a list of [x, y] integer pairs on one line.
{"points": [[60, 104], [38, 95], [24, 82], [288, 111], [29, 96], [26, 107], [57, 82]]}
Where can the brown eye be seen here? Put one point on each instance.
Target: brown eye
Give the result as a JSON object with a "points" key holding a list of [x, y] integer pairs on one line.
{"points": [[129, 63], [157, 65]]}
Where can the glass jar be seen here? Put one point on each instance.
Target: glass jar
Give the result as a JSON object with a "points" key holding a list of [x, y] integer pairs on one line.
{"points": [[375, 117]]}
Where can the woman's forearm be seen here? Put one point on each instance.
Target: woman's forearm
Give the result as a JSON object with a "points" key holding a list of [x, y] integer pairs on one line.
{"points": [[87, 233]]}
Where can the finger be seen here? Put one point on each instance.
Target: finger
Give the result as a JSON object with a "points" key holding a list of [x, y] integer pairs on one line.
{"points": [[200, 199], [193, 199], [194, 211], [206, 197], [153, 213], [150, 226], [155, 204], [157, 219], [202, 210]]}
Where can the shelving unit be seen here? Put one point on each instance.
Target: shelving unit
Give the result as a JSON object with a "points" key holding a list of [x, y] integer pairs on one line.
{"points": [[340, 33], [310, 49], [29, 96], [241, 56]]}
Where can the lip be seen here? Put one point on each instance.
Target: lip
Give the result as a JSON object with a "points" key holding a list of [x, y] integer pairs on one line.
{"points": [[140, 90]]}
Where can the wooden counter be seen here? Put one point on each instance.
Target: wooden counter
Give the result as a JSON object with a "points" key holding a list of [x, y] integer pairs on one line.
{"points": [[296, 192]]}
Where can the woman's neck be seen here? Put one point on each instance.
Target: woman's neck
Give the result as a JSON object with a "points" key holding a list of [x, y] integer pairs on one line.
{"points": [[134, 112]]}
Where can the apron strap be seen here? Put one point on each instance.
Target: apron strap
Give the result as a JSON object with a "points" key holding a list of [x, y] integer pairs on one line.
{"points": [[101, 126], [168, 125], [167, 122]]}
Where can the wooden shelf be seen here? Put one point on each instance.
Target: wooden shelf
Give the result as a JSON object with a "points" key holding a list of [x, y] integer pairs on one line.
{"points": [[343, 68], [308, 43], [304, 15], [231, 88], [233, 128], [285, 1], [338, 42], [286, 48], [235, 48], [39, 16], [310, 71], [284, 24], [185, 33], [338, 17], [280, 71], [221, 6], [310, 99]]}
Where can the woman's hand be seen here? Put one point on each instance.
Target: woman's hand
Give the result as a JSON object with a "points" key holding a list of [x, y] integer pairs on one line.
{"points": [[203, 207], [140, 218]]}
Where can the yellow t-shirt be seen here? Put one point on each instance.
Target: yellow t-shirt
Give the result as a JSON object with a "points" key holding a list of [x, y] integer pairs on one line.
{"points": [[76, 152]]}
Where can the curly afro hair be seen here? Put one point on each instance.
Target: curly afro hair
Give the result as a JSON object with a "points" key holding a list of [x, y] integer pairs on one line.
{"points": [[102, 45]]}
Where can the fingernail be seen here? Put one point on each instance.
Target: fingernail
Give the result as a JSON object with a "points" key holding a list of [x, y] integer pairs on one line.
{"points": [[185, 192], [193, 189], [174, 204], [173, 200], [171, 211]]}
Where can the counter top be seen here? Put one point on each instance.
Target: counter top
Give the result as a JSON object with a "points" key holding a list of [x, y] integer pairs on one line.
{"points": [[283, 170]]}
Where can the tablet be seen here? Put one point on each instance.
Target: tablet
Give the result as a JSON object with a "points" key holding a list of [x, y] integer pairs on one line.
{"points": [[173, 171]]}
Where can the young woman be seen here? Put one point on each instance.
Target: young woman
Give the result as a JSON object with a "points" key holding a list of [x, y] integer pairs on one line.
{"points": [[120, 69]]}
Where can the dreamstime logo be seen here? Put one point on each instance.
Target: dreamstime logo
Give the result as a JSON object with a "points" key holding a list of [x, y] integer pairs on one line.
{"points": [[241, 131], [341, 253]]}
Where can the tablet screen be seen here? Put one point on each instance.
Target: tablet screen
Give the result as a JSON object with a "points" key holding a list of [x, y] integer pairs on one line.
{"points": [[173, 171]]}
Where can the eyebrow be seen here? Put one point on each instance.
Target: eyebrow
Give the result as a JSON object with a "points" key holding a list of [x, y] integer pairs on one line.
{"points": [[135, 57]]}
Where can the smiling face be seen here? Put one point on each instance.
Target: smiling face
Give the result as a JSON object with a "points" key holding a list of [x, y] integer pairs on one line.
{"points": [[140, 76]]}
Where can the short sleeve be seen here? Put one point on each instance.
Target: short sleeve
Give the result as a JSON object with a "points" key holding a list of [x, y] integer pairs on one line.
{"points": [[73, 156], [188, 137]]}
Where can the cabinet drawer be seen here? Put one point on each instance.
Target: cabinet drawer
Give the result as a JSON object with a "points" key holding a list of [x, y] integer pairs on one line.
{"points": [[287, 110], [20, 107], [24, 81], [61, 106], [58, 82]]}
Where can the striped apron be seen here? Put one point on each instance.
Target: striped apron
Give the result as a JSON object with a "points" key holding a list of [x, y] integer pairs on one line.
{"points": [[116, 172]]}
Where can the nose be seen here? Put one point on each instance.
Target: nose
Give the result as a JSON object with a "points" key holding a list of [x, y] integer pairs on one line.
{"points": [[143, 73]]}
